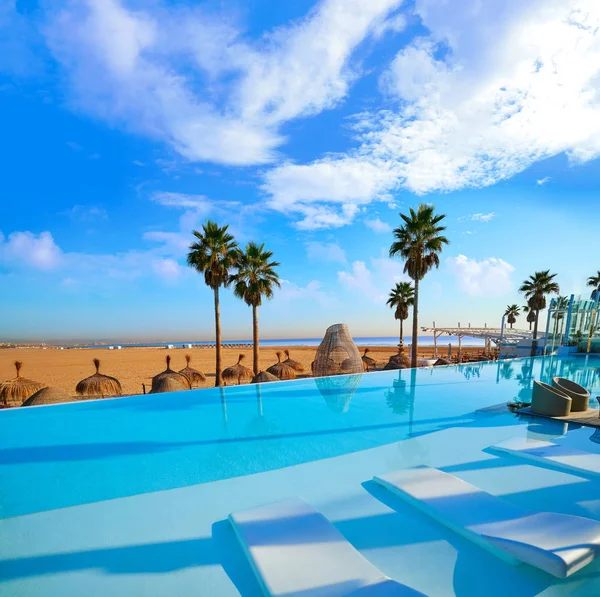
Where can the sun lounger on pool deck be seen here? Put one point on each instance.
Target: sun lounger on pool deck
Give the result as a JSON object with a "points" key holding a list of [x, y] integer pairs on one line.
{"points": [[295, 551], [559, 456], [560, 544]]}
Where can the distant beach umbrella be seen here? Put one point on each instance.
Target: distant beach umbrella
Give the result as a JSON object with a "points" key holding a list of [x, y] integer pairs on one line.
{"points": [[263, 377], [238, 373], [295, 365], [49, 395], [15, 391], [168, 373], [98, 385], [368, 361], [168, 384], [281, 370], [192, 375]]}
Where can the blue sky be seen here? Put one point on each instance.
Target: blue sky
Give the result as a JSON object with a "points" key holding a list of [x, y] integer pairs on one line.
{"points": [[305, 125]]}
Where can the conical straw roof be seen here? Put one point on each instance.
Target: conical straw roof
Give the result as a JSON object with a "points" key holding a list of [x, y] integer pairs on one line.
{"points": [[167, 383], [192, 375], [98, 385], [281, 370], [400, 359], [295, 365], [238, 373], [368, 361], [15, 391], [169, 373], [263, 377], [49, 395]]}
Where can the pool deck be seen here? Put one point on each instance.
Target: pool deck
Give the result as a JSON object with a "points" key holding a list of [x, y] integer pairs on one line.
{"points": [[178, 541], [589, 418]]}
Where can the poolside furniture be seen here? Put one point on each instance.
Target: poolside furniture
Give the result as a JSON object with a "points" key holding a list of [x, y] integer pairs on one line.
{"points": [[580, 397], [546, 400], [551, 454], [337, 353], [559, 544], [295, 551]]}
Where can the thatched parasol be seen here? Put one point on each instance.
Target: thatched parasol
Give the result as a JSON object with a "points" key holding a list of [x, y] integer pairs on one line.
{"points": [[15, 391], [48, 396], [400, 359], [98, 385], [263, 377], [368, 361], [295, 365], [192, 375], [167, 384], [281, 370], [237, 373], [169, 373]]}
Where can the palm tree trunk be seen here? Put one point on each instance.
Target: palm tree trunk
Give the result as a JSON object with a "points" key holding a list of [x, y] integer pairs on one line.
{"points": [[401, 335], [535, 331], [415, 327], [218, 379], [255, 338]]}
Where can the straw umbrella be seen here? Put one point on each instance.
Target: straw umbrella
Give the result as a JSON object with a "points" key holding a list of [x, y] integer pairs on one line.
{"points": [[281, 370], [169, 373], [368, 361], [192, 375], [237, 373], [15, 391], [168, 384], [98, 385], [295, 365], [49, 396], [263, 377]]}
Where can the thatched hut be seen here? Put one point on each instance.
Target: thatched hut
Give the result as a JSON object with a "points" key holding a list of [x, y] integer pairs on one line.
{"points": [[98, 385], [170, 374], [263, 377], [49, 395], [295, 365], [168, 383], [238, 373], [337, 353], [338, 391], [368, 361], [281, 370], [192, 375], [15, 391]]}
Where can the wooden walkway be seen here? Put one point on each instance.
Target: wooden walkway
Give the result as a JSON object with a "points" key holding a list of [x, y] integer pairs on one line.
{"points": [[589, 418]]}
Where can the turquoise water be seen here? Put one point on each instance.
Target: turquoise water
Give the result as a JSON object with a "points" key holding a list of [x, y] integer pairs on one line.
{"points": [[130, 496], [92, 451]]}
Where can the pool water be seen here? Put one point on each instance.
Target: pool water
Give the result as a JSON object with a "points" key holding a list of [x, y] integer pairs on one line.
{"points": [[135, 491]]}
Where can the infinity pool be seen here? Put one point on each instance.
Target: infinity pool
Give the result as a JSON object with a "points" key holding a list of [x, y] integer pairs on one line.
{"points": [[130, 496]]}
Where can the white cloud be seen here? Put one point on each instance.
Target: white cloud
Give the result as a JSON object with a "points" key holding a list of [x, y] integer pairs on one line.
{"points": [[290, 292], [488, 277], [26, 249], [167, 269], [325, 252], [542, 181], [87, 213], [376, 225], [191, 79], [492, 88], [478, 217]]}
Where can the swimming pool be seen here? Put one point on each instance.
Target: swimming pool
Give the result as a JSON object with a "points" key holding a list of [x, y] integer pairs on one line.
{"points": [[130, 496]]}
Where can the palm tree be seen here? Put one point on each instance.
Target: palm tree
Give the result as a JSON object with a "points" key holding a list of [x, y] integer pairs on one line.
{"points": [[402, 296], [594, 282], [562, 304], [214, 254], [530, 315], [418, 242], [535, 289], [254, 279], [511, 314]]}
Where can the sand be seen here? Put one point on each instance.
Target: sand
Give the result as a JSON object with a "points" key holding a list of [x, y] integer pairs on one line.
{"points": [[136, 366]]}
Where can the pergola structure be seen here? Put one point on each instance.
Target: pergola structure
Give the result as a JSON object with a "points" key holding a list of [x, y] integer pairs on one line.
{"points": [[495, 335]]}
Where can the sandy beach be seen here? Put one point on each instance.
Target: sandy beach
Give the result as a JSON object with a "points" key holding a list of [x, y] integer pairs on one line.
{"points": [[136, 366]]}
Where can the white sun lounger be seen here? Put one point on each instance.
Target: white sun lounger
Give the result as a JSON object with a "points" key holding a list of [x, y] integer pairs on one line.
{"points": [[295, 551], [551, 454], [560, 544]]}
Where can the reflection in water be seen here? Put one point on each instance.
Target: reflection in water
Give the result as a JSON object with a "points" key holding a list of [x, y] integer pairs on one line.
{"points": [[506, 369], [595, 437], [259, 424], [338, 390], [525, 379], [470, 371], [401, 398], [546, 430]]}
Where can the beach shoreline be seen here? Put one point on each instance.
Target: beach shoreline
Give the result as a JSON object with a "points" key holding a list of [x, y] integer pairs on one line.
{"points": [[135, 366]]}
